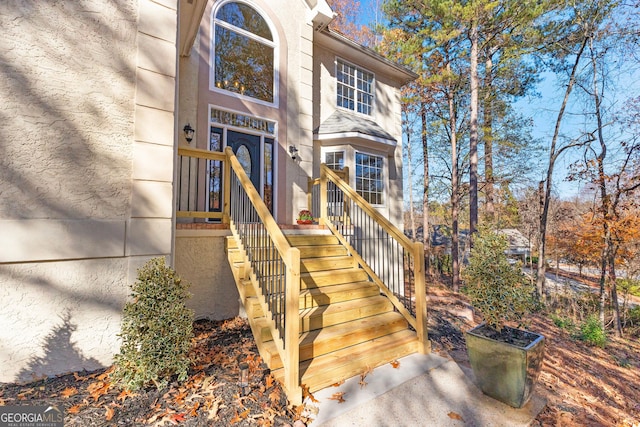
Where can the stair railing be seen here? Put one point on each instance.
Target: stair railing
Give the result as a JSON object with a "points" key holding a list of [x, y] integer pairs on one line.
{"points": [[392, 261], [274, 265]]}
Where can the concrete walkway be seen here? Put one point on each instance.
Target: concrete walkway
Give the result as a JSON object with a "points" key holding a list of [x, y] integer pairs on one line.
{"points": [[425, 390]]}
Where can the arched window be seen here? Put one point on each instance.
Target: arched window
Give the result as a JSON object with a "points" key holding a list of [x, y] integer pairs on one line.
{"points": [[244, 52]]}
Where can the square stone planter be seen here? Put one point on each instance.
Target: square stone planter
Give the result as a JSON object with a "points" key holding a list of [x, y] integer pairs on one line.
{"points": [[506, 371]]}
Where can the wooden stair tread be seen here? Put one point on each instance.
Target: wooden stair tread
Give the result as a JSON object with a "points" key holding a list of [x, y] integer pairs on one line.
{"points": [[325, 370], [318, 279], [335, 338], [324, 264], [321, 251], [312, 239], [341, 312]]}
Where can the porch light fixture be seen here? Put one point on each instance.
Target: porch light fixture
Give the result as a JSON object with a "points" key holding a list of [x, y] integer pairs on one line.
{"points": [[293, 150], [188, 132]]}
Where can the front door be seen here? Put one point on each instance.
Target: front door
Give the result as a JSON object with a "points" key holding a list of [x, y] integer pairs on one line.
{"points": [[247, 150]]}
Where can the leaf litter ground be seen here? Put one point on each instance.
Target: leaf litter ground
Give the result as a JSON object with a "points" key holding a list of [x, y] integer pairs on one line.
{"points": [[583, 385]]}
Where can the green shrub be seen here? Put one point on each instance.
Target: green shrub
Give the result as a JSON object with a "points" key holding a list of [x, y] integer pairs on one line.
{"points": [[496, 288], [156, 329], [563, 322], [592, 332]]}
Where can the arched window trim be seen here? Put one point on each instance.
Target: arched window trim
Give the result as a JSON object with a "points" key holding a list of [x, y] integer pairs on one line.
{"points": [[274, 44]]}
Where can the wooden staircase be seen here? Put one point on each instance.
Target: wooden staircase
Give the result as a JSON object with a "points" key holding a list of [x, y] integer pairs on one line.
{"points": [[346, 325]]}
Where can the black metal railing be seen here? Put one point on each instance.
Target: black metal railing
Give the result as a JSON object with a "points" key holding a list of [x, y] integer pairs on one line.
{"points": [[266, 262]]}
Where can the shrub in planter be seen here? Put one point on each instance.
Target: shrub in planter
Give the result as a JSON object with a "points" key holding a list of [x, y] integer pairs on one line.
{"points": [[506, 361], [156, 329]]}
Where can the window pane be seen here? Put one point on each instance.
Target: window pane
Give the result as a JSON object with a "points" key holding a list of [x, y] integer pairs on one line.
{"points": [[369, 179], [335, 160], [245, 17], [354, 88], [243, 65]]}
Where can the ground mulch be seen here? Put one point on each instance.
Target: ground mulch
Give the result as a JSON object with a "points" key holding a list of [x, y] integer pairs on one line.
{"points": [[583, 385]]}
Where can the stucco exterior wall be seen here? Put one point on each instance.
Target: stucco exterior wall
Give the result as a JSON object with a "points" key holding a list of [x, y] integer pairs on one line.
{"points": [[87, 95], [201, 260]]}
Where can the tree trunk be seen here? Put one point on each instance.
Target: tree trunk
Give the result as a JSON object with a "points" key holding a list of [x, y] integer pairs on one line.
{"points": [[487, 127], [412, 215], [553, 155], [455, 252], [426, 227], [473, 133]]}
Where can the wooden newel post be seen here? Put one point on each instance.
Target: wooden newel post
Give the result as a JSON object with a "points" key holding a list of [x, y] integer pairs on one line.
{"points": [[226, 187], [292, 328], [323, 193], [421, 298]]}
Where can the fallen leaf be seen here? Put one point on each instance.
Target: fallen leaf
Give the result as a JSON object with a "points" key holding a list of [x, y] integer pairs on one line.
{"points": [[109, 413], [339, 396], [307, 393], [212, 407], [395, 364], [363, 375], [194, 410], [68, 392], [124, 394], [455, 416], [239, 417], [338, 384], [74, 409], [78, 377], [177, 418], [270, 381], [274, 396]]}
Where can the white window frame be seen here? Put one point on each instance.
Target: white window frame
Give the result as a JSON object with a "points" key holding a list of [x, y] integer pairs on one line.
{"points": [[341, 62], [273, 44], [383, 168], [329, 151]]}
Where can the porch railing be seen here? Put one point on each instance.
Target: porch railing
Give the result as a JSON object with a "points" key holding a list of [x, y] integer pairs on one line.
{"points": [[274, 264], [392, 261]]}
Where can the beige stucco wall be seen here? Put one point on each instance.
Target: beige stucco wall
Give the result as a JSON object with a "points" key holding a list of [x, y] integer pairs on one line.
{"points": [[201, 260], [86, 163]]}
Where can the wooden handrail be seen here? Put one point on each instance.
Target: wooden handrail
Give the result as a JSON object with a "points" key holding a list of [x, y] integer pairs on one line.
{"points": [[365, 206], [202, 154]]}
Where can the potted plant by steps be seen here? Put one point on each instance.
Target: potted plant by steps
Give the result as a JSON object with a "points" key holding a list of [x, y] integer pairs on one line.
{"points": [[506, 361], [305, 217]]}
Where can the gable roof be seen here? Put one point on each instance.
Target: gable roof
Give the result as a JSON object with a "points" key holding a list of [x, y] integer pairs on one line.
{"points": [[342, 124]]}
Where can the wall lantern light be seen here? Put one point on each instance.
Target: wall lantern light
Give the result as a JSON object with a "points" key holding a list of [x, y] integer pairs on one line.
{"points": [[293, 150], [188, 132]]}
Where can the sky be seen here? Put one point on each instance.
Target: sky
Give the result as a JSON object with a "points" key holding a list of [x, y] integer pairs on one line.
{"points": [[543, 111]]}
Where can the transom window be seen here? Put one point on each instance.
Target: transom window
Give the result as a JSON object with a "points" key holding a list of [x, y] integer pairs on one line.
{"points": [[244, 51], [369, 182], [355, 88]]}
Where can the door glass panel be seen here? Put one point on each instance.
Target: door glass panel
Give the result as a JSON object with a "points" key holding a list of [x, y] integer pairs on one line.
{"points": [[214, 173], [244, 157], [268, 173]]}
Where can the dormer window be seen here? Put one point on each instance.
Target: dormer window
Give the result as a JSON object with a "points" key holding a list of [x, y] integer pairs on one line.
{"points": [[244, 51], [355, 88]]}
